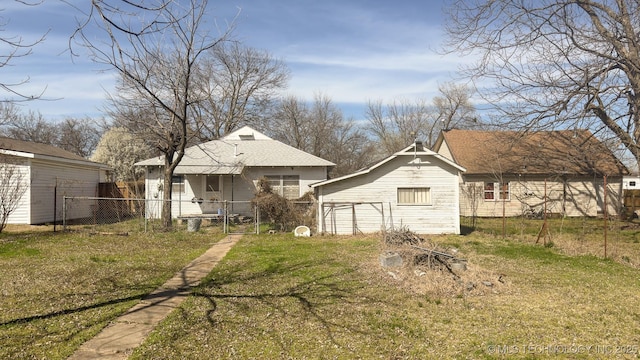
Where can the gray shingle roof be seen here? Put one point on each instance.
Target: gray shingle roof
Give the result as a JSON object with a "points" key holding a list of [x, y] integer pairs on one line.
{"points": [[230, 155]]}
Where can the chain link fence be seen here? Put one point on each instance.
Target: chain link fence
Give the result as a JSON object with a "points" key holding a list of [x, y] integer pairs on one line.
{"points": [[119, 215], [613, 231]]}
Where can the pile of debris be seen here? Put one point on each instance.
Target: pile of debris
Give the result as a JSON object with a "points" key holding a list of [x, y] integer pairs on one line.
{"points": [[423, 253], [402, 236], [427, 267]]}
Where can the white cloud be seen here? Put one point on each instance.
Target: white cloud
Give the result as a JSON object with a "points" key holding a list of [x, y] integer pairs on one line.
{"points": [[351, 51]]}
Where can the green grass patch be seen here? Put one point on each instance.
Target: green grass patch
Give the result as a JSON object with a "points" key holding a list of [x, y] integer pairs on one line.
{"points": [[17, 249], [60, 289]]}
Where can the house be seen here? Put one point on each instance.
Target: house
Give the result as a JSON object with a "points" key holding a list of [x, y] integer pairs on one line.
{"points": [[513, 173], [414, 188], [227, 171], [48, 174]]}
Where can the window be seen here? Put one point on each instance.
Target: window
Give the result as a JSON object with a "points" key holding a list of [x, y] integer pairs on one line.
{"points": [[489, 191], [287, 186], [632, 183], [177, 184], [212, 183], [421, 196], [291, 186], [493, 191], [274, 182]]}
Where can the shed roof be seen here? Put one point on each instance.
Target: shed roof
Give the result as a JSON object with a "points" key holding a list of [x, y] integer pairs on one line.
{"points": [[415, 150], [43, 151], [245, 147], [36, 148], [576, 152]]}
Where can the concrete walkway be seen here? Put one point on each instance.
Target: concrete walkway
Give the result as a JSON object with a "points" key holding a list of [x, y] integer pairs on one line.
{"points": [[124, 334]]}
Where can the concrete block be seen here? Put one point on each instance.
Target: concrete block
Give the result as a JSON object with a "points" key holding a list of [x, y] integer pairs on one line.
{"points": [[390, 259]]}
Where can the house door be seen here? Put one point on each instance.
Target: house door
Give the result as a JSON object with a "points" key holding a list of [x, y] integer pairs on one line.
{"points": [[213, 187], [212, 193]]}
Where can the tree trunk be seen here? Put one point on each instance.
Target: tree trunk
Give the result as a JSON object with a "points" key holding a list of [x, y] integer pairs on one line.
{"points": [[166, 197]]}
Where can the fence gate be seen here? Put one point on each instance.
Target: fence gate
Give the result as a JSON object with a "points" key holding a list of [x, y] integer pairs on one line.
{"points": [[242, 218]]}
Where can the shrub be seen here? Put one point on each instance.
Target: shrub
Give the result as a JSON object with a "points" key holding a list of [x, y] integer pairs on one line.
{"points": [[274, 207]]}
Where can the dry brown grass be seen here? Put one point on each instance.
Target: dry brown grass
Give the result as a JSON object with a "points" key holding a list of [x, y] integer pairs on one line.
{"points": [[59, 289], [328, 297], [423, 274]]}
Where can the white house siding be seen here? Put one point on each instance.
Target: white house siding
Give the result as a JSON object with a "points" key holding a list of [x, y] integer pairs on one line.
{"points": [[51, 181], [21, 214], [573, 197], [380, 187], [308, 176], [237, 190], [631, 182]]}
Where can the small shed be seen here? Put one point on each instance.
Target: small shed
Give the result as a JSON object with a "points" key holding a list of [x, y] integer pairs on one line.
{"points": [[48, 174], [414, 188]]}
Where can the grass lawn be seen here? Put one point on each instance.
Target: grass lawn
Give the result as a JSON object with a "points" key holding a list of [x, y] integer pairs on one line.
{"points": [[59, 289], [276, 296]]}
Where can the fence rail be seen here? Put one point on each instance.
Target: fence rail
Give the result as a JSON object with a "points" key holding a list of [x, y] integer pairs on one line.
{"points": [[105, 214]]}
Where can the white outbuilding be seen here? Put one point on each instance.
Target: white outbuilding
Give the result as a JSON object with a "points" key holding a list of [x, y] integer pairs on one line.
{"points": [[414, 188], [42, 175]]}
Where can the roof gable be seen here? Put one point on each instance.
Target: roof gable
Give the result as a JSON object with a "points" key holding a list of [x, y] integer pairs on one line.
{"points": [[546, 152], [414, 150]]}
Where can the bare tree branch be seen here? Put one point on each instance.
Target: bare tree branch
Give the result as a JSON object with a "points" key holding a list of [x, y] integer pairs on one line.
{"points": [[14, 48], [155, 46], [555, 63]]}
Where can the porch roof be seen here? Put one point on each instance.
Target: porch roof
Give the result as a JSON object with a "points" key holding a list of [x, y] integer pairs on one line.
{"points": [[207, 170]]}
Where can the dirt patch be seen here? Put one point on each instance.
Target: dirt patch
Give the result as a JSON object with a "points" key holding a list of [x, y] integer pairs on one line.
{"points": [[429, 268]]}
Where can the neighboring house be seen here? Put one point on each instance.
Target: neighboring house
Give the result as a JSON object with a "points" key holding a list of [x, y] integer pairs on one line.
{"points": [[512, 173], [228, 169], [48, 174], [414, 188]]}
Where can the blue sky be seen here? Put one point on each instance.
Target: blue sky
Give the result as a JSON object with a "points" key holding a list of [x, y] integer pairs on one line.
{"points": [[350, 50]]}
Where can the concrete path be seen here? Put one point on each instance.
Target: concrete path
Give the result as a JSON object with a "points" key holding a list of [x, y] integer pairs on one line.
{"points": [[124, 334]]}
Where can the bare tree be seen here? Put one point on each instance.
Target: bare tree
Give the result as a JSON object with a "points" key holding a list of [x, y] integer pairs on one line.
{"points": [[321, 129], [13, 186], [155, 46], [561, 63], [79, 136], [291, 122], [399, 123], [453, 109], [32, 127], [237, 85], [13, 48], [8, 114]]}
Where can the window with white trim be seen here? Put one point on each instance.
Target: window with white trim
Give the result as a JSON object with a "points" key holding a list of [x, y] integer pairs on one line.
{"points": [[414, 196], [287, 186], [497, 191]]}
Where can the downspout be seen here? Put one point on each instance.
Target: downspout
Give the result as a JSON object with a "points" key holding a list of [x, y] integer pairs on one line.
{"points": [[320, 219]]}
